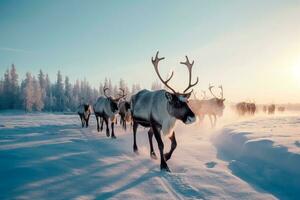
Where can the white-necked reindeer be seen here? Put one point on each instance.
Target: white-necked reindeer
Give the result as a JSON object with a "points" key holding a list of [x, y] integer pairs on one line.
{"points": [[84, 111], [159, 111], [106, 108], [212, 107], [124, 110]]}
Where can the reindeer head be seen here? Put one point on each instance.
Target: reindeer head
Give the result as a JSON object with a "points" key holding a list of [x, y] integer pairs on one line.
{"points": [[113, 101], [177, 102], [87, 110]]}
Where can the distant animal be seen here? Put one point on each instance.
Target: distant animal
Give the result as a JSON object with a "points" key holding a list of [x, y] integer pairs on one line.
{"points": [[124, 110], [244, 108], [159, 110], [105, 109], [212, 107], [265, 108], [271, 109], [84, 112], [281, 108]]}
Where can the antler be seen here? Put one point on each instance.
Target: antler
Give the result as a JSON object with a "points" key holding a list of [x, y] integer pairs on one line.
{"points": [[195, 97], [189, 66], [221, 87], [210, 87], [121, 95], [203, 94], [155, 64], [104, 91]]}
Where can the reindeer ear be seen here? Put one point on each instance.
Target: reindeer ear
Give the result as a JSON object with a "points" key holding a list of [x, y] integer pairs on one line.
{"points": [[187, 96], [169, 96]]}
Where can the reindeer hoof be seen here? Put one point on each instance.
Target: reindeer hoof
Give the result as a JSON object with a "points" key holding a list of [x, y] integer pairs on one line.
{"points": [[135, 150], [164, 168], [107, 134], [153, 155], [113, 137]]}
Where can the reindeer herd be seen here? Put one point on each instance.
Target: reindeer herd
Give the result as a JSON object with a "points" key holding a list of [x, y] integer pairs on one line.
{"points": [[158, 110]]}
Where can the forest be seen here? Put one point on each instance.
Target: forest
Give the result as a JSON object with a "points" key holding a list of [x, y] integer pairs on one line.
{"points": [[38, 93]]}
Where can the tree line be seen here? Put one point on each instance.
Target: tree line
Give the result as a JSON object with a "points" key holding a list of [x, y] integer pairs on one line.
{"points": [[37, 93]]}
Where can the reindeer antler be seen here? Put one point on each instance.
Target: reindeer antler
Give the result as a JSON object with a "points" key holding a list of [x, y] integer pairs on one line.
{"points": [[203, 94], [121, 95], [221, 92], [221, 87], [155, 64], [189, 65], [211, 87]]}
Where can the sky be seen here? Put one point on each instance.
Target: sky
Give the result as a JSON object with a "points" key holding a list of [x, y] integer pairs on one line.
{"points": [[252, 47]]}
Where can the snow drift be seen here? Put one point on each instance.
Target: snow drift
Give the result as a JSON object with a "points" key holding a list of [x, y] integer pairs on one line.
{"points": [[265, 153]]}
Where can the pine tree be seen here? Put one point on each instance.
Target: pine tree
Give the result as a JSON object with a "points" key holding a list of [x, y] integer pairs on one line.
{"points": [[43, 85], [6, 90], [59, 93], [14, 92], [101, 89], [27, 93], [68, 94], [75, 95], [156, 85], [38, 104], [49, 98]]}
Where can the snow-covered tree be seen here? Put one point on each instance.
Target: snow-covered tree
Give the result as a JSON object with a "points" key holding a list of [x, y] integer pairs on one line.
{"points": [[28, 92], [38, 103], [14, 90], [59, 93], [68, 94], [156, 85], [43, 85]]}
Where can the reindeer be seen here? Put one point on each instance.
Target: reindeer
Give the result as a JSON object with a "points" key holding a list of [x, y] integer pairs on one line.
{"points": [[84, 112], [281, 108], [271, 109], [212, 107], [124, 110], [244, 108], [159, 111], [106, 108]]}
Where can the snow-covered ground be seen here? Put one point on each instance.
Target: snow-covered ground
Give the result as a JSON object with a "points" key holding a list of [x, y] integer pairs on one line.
{"points": [[49, 156]]}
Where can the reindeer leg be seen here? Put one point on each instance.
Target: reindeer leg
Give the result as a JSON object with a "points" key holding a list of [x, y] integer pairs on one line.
{"points": [[173, 146], [82, 123], [87, 121], [215, 121], [106, 123], [163, 163], [150, 136], [112, 130], [97, 119], [135, 126], [101, 120], [125, 125], [211, 122]]}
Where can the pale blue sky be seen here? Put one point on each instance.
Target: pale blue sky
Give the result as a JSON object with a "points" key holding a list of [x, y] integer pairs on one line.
{"points": [[251, 47]]}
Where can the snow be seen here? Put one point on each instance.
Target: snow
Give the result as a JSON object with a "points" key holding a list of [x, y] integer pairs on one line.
{"points": [[264, 152], [49, 156]]}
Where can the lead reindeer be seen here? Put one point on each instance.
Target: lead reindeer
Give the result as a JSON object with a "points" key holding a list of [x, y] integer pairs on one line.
{"points": [[106, 108], [212, 107], [159, 111]]}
